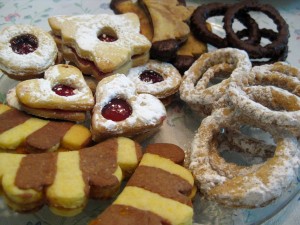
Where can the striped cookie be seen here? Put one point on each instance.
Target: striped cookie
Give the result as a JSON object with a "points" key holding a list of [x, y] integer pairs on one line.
{"points": [[21, 132], [65, 180], [158, 192]]}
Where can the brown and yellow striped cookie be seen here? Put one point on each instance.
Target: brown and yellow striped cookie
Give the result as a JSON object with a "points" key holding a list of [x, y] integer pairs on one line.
{"points": [[22, 133], [65, 180], [157, 193]]}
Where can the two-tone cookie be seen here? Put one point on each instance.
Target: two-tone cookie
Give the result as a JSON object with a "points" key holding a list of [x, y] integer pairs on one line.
{"points": [[66, 180], [20, 132], [157, 193]]}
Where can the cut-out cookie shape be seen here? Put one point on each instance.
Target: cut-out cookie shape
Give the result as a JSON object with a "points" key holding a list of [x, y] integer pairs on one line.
{"points": [[126, 6], [22, 133], [157, 191], [187, 52], [63, 90], [121, 111], [169, 31], [65, 180], [156, 78], [102, 44], [26, 51]]}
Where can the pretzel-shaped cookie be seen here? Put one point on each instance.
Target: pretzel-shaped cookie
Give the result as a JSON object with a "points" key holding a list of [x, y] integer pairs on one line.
{"points": [[65, 180], [195, 89], [241, 186], [120, 110], [26, 51], [270, 94]]}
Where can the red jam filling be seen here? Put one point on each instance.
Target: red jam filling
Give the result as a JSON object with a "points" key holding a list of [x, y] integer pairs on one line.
{"points": [[150, 76], [107, 38], [63, 90], [116, 110], [24, 44]]}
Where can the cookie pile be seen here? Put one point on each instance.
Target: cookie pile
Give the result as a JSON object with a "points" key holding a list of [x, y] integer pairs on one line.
{"points": [[118, 73], [170, 35]]}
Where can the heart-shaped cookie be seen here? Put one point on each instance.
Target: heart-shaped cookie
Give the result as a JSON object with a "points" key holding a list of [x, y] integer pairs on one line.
{"points": [[120, 110], [62, 88]]}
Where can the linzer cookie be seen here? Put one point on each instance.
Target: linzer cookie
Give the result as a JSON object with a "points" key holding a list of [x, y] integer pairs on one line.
{"points": [[102, 44], [156, 78], [63, 91], [157, 191], [169, 31], [121, 111], [65, 180], [26, 51], [21, 132]]}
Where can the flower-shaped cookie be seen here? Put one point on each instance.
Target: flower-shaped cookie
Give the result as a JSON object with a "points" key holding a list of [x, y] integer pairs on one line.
{"points": [[156, 78], [26, 51], [63, 89], [101, 44], [120, 110]]}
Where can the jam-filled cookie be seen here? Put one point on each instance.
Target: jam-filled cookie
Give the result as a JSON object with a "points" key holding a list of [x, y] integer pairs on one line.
{"points": [[102, 44], [26, 51], [121, 111], [156, 78], [63, 92]]}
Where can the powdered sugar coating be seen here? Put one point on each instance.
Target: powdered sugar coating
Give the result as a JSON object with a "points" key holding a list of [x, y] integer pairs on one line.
{"points": [[165, 88], [194, 88], [263, 182], [27, 64], [81, 33], [37, 93], [270, 94], [147, 111]]}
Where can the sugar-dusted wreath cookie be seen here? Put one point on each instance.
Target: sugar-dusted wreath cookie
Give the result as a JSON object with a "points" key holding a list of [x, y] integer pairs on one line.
{"points": [[157, 193], [121, 111], [62, 90], [20, 132], [65, 180], [26, 51], [102, 44], [157, 78]]}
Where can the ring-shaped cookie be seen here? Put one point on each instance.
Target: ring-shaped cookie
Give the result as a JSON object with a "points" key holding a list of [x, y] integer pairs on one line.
{"points": [[269, 96], [157, 78], [205, 11], [194, 88], [240, 186], [270, 50], [271, 36], [26, 64]]}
